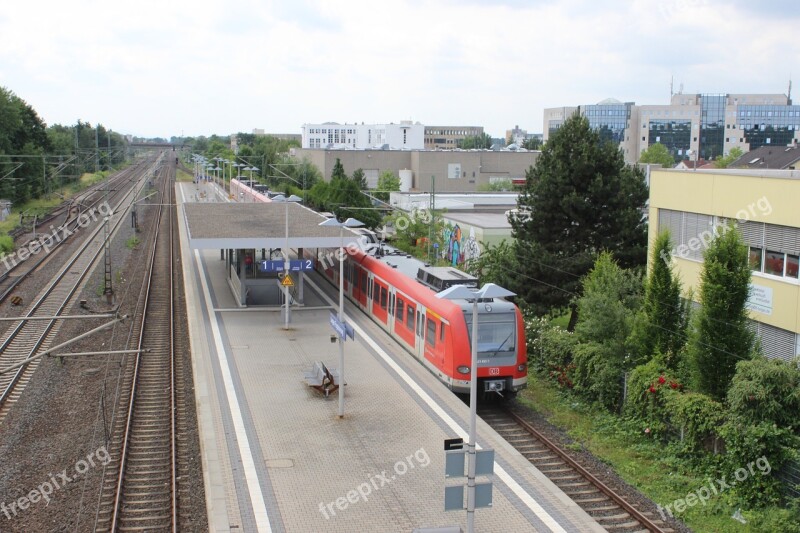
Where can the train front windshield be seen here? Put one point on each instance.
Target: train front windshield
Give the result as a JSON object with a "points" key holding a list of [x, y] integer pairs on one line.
{"points": [[496, 334]]}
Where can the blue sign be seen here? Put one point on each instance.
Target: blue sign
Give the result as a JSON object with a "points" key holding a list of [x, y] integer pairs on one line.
{"points": [[343, 329], [295, 265]]}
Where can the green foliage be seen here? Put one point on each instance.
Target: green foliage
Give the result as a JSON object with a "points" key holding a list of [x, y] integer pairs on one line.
{"points": [[581, 199], [337, 173], [478, 141], [696, 415], [733, 155], [550, 349], [785, 520], [497, 186], [413, 231], [6, 245], [610, 298], [745, 444], [496, 264], [721, 337], [360, 178], [343, 197], [766, 390], [132, 242], [643, 403], [387, 182], [532, 143], [661, 326], [658, 154]]}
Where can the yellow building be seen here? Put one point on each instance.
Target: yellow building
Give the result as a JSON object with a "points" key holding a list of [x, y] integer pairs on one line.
{"points": [[765, 207]]}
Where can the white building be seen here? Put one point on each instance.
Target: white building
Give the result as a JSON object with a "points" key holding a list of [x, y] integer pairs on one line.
{"points": [[333, 136]]}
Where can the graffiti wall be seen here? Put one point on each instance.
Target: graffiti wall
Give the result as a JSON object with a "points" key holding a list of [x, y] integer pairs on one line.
{"points": [[458, 247]]}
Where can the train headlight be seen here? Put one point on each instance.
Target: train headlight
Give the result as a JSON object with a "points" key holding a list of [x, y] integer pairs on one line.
{"points": [[463, 369], [521, 368]]}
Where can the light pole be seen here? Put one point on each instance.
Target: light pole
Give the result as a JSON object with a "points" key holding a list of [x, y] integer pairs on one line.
{"points": [[460, 292], [350, 223], [281, 198]]}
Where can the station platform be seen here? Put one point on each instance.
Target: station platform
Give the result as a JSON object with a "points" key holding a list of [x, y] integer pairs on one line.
{"points": [[277, 458]]}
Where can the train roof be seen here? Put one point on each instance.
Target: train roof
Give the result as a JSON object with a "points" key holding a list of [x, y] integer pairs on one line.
{"points": [[436, 278]]}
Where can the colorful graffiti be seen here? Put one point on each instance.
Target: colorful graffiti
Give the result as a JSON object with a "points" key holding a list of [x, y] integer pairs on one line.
{"points": [[458, 248]]}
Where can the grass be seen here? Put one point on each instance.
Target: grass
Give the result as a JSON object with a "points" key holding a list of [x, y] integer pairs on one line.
{"points": [[184, 176], [561, 321], [643, 463], [132, 242]]}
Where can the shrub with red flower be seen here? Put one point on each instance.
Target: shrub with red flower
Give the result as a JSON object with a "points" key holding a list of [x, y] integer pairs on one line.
{"points": [[561, 374], [662, 379]]}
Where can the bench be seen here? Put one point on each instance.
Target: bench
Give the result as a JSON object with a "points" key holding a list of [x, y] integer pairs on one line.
{"points": [[322, 379]]}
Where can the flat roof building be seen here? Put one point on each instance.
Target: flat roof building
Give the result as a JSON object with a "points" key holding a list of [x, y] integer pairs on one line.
{"points": [[333, 136], [763, 204]]}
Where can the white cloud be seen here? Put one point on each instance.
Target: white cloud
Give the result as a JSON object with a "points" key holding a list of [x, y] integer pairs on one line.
{"points": [[201, 67]]}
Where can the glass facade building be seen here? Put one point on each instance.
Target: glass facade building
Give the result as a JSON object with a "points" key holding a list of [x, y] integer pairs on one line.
{"points": [[712, 125], [610, 120], [769, 124], [676, 135]]}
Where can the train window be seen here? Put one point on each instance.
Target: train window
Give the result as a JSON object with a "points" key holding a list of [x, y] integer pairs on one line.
{"points": [[430, 337], [441, 333], [384, 296], [376, 293], [391, 304], [410, 317], [400, 310], [419, 324]]}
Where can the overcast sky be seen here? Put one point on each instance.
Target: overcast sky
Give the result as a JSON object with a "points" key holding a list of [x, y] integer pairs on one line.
{"points": [[196, 67]]}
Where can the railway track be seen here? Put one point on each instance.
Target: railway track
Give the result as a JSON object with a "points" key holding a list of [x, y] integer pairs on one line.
{"points": [[140, 489], [608, 508], [23, 340]]}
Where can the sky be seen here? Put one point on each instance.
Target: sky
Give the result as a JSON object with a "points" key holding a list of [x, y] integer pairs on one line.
{"points": [[200, 67]]}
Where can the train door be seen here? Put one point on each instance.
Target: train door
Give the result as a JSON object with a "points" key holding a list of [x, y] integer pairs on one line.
{"points": [[360, 284], [380, 300], [420, 333]]}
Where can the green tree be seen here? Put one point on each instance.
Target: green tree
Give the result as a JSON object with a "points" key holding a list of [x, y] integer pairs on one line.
{"points": [[720, 336], [387, 182], [360, 178], [338, 171], [495, 264], [658, 154], [579, 200], [664, 314], [611, 295], [483, 141], [497, 186], [733, 155], [532, 143]]}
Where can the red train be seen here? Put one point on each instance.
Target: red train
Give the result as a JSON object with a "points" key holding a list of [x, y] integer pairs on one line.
{"points": [[399, 293]]}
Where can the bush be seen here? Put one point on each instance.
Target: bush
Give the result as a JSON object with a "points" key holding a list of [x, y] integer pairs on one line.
{"points": [[747, 443], [6, 245], [766, 390], [698, 417], [550, 348]]}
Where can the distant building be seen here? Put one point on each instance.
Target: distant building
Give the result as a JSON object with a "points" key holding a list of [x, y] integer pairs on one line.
{"points": [[449, 137], [516, 136], [770, 157], [706, 124], [333, 136], [424, 170]]}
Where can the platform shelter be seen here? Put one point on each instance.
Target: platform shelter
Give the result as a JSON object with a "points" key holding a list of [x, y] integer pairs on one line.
{"points": [[251, 238]]}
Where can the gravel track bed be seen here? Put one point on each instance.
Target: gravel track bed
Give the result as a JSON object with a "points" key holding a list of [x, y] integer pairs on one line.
{"points": [[58, 421]]}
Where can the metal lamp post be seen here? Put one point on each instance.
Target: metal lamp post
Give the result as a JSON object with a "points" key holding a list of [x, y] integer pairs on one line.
{"points": [[285, 201], [460, 292], [350, 223]]}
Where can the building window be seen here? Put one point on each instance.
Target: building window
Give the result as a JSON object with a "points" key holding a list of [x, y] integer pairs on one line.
{"points": [[792, 264], [755, 259]]}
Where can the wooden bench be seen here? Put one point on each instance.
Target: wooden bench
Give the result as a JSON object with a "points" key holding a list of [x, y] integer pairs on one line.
{"points": [[320, 378]]}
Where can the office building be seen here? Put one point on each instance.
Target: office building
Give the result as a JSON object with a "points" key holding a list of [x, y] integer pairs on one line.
{"points": [[449, 137], [333, 136], [707, 126]]}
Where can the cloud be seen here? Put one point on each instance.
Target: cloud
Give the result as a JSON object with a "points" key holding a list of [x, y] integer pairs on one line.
{"points": [[205, 67]]}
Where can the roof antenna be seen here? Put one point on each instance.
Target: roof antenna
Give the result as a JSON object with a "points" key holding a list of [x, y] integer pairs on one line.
{"points": [[790, 91], [671, 93]]}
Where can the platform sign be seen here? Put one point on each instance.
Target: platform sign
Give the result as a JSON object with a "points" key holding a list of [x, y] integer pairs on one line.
{"points": [[287, 281], [295, 265], [343, 329]]}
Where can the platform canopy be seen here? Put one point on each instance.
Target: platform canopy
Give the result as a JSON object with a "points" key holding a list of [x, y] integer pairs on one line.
{"points": [[259, 225]]}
